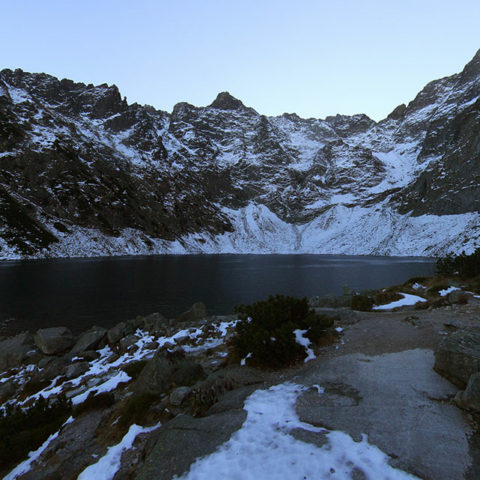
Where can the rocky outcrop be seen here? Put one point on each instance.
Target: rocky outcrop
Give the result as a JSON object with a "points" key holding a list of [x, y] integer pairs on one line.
{"points": [[457, 357]]}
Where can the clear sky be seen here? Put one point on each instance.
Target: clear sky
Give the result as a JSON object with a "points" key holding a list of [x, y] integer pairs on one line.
{"points": [[311, 57]]}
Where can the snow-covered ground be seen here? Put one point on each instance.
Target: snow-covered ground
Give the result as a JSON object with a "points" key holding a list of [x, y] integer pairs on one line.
{"points": [[263, 448]]}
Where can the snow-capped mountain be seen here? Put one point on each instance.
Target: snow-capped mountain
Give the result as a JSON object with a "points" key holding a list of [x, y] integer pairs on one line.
{"points": [[84, 173]]}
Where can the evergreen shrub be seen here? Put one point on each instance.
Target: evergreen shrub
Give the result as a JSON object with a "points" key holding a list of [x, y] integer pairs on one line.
{"points": [[362, 303], [24, 430], [466, 266], [265, 330]]}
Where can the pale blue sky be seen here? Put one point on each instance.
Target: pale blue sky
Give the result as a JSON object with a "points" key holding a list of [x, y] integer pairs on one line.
{"points": [[315, 58]]}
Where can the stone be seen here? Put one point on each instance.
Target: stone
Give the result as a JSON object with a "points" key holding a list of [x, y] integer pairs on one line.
{"points": [[14, 351], [458, 297], [55, 340], [196, 312], [457, 357], [348, 291], [470, 398], [136, 323], [128, 342], [89, 355], [115, 334], [184, 439], [54, 369], [222, 381], [179, 395], [155, 323], [7, 389], [334, 301], [167, 370], [89, 340], [399, 401], [76, 369], [314, 301]]}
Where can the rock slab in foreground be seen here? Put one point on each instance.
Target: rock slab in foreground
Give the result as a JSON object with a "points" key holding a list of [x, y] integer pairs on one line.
{"points": [[184, 439], [457, 357], [399, 402]]}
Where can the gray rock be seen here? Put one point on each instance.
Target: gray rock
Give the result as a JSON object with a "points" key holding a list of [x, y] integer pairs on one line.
{"points": [[167, 370], [234, 399], [470, 398], [90, 340], [127, 342], [116, 333], [155, 323], [14, 350], [76, 369], [184, 439], [457, 296], [89, 355], [334, 301], [314, 301], [54, 369], [197, 312], [53, 341], [136, 323], [72, 451], [223, 381], [458, 357], [179, 395], [399, 401], [348, 291], [7, 389]]}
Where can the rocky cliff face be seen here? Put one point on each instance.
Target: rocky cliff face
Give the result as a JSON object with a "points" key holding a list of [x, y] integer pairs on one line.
{"points": [[84, 173]]}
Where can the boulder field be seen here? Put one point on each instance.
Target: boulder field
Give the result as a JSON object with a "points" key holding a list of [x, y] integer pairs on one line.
{"points": [[405, 381]]}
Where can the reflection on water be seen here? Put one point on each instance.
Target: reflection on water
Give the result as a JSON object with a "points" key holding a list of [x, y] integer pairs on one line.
{"points": [[80, 293]]}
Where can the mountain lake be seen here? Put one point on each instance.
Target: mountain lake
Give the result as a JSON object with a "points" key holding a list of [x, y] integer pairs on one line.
{"points": [[82, 292]]}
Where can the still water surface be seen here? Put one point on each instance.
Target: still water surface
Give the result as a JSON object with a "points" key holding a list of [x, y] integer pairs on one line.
{"points": [[79, 293]]}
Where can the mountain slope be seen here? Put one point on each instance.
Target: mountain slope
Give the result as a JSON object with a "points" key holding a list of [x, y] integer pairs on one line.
{"points": [[84, 173]]}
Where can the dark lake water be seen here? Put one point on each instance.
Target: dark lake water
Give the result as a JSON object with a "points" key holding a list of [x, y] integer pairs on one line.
{"points": [[79, 293]]}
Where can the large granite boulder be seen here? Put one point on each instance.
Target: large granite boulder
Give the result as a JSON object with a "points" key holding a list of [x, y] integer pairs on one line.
{"points": [[457, 357], [89, 340], [167, 370], [52, 341], [14, 351]]}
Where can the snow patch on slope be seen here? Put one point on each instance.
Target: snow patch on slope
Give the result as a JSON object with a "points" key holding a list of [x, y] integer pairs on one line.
{"points": [[341, 230]]}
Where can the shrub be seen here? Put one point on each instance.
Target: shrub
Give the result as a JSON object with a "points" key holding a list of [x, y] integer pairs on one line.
{"points": [[383, 298], [95, 401], [24, 430], [362, 303], [466, 266], [136, 410], [265, 331], [134, 369]]}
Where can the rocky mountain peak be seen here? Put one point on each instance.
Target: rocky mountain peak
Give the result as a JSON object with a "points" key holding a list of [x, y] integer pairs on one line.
{"points": [[225, 101]]}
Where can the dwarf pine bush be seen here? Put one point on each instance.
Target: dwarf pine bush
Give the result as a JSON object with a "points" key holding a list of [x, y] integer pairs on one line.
{"points": [[265, 331], [466, 266]]}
